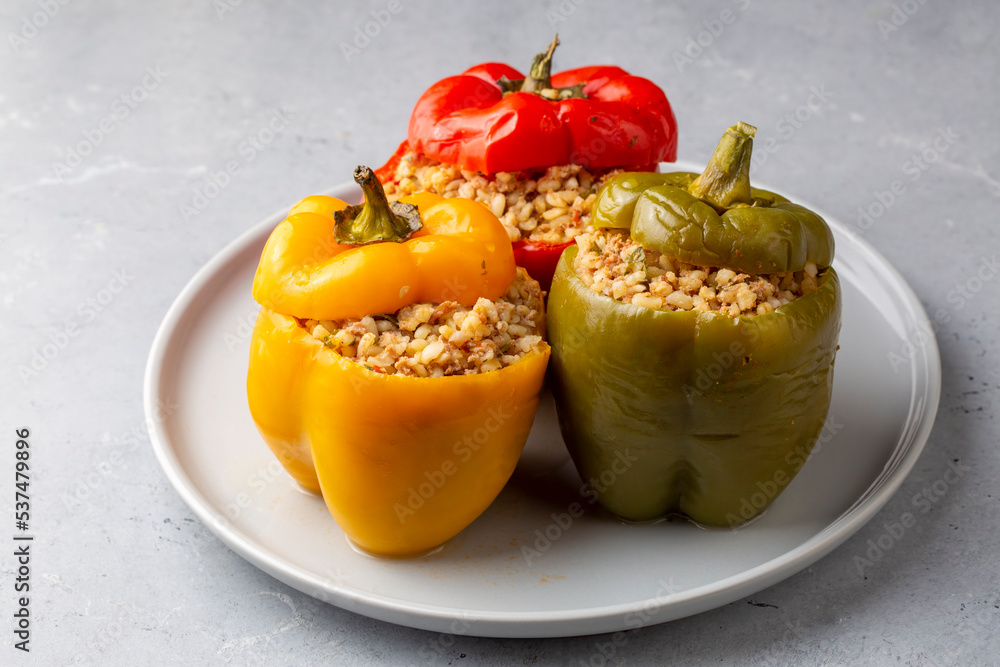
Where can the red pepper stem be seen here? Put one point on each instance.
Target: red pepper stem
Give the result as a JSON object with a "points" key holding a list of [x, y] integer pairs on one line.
{"points": [[376, 219], [539, 79], [726, 180], [540, 75]]}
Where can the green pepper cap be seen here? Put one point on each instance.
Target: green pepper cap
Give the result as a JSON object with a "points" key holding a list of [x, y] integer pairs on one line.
{"points": [[716, 218]]}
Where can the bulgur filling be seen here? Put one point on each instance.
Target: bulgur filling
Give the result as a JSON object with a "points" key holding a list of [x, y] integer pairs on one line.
{"points": [[433, 340], [611, 263], [551, 206]]}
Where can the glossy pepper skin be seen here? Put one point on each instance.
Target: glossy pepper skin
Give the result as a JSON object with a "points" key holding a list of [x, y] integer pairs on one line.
{"points": [[491, 118], [403, 463], [686, 411], [461, 253], [771, 234]]}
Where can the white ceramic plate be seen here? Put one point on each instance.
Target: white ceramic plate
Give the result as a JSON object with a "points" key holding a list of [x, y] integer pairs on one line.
{"points": [[589, 576]]}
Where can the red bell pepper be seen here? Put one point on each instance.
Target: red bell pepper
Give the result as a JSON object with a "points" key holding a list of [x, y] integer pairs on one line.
{"points": [[491, 119]]}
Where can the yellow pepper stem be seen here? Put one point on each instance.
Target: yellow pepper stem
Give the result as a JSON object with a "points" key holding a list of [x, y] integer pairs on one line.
{"points": [[376, 219]]}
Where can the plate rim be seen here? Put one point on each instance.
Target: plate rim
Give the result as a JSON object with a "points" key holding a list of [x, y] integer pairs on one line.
{"points": [[558, 623]]}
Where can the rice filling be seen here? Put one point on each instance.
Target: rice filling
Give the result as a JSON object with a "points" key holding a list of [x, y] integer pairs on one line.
{"points": [[434, 340], [551, 206], [611, 263]]}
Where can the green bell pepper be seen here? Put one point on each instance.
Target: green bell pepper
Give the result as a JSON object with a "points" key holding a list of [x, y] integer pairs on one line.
{"points": [[696, 412], [716, 218]]}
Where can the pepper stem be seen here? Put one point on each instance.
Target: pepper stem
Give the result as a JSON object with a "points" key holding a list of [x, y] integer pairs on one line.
{"points": [[540, 75], [726, 180], [376, 219], [539, 79]]}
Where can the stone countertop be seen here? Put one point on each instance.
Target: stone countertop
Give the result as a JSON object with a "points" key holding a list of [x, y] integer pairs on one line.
{"points": [[116, 119]]}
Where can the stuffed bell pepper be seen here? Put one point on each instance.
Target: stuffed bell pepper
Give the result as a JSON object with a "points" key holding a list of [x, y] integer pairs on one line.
{"points": [[397, 360], [693, 334], [534, 149]]}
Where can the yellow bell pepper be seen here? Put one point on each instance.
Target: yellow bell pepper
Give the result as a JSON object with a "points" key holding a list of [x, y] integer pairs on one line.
{"points": [[403, 463], [459, 254]]}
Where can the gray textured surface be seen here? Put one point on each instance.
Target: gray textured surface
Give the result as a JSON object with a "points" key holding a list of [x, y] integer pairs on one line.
{"points": [[124, 575]]}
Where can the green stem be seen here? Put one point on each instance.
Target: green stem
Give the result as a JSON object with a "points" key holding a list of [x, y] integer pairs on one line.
{"points": [[539, 79], [540, 75], [726, 180], [376, 219]]}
